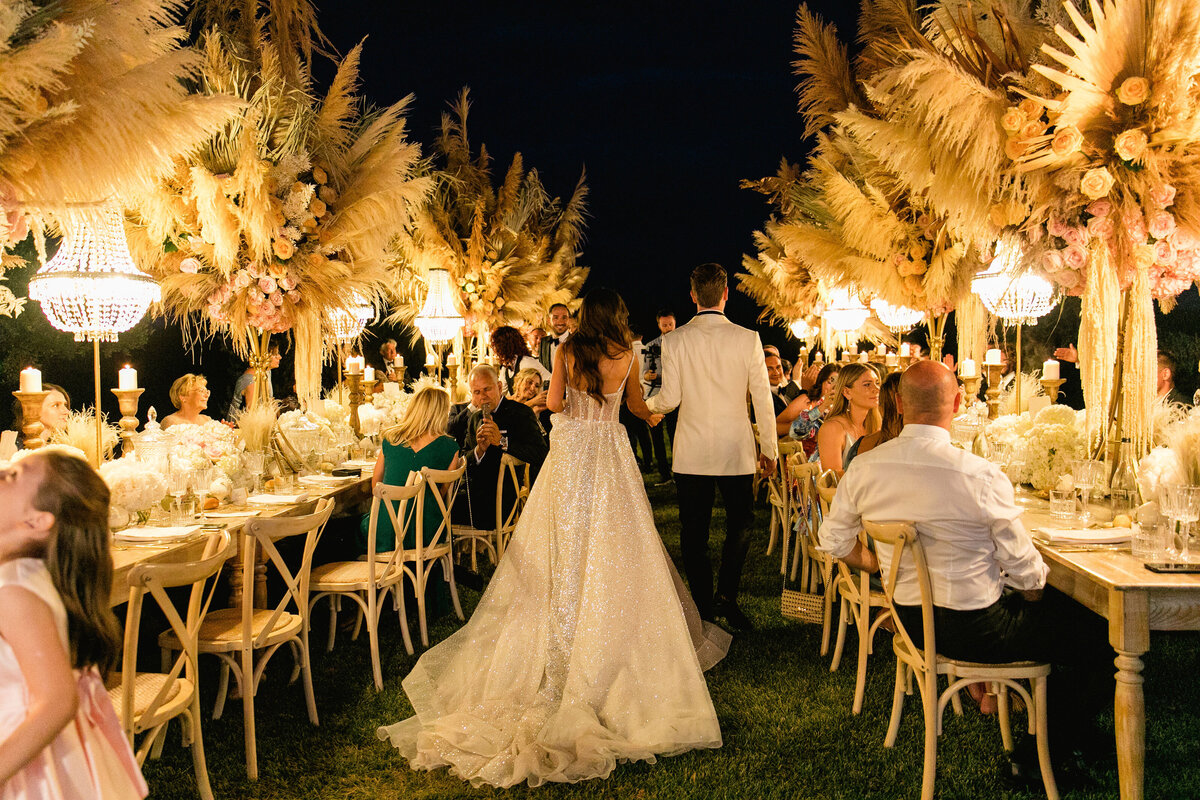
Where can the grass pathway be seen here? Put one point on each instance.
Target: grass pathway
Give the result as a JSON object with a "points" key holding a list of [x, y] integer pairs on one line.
{"points": [[786, 722]]}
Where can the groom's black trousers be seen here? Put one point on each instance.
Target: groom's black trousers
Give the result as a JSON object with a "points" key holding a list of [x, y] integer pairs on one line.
{"points": [[696, 496]]}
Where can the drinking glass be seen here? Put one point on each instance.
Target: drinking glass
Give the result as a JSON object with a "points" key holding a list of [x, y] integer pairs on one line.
{"points": [[1087, 475], [201, 484], [1181, 507], [254, 463], [179, 480], [1062, 504]]}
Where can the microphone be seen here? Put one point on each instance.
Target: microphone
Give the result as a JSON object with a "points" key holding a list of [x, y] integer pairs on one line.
{"points": [[486, 408]]}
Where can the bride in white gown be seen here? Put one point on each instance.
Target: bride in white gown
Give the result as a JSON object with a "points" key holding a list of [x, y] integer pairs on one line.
{"points": [[586, 649]]}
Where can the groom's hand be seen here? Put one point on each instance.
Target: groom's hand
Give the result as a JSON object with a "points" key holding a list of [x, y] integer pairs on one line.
{"points": [[767, 465], [655, 419]]}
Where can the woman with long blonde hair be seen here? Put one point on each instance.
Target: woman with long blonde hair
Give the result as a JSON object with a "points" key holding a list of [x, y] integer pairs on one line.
{"points": [[419, 440], [853, 413]]}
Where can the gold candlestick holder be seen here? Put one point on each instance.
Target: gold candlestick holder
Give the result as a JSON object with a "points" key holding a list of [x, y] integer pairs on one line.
{"points": [[1051, 387], [31, 414], [971, 386], [994, 373], [355, 379], [368, 389], [127, 399]]}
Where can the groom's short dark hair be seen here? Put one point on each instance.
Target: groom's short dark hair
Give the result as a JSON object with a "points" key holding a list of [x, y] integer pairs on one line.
{"points": [[708, 284]]}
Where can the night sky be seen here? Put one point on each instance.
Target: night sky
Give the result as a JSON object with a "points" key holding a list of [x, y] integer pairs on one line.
{"points": [[667, 106]]}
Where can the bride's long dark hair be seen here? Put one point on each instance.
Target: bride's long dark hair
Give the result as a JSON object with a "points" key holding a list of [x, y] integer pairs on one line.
{"points": [[603, 333]]}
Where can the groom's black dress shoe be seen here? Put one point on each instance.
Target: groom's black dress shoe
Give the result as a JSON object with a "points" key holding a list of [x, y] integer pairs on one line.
{"points": [[733, 615]]}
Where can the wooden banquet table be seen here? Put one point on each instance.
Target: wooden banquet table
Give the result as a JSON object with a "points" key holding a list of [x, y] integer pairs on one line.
{"points": [[346, 495], [1134, 600]]}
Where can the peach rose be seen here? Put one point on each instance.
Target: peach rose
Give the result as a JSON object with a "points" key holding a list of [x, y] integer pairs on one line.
{"points": [[284, 249], [1096, 183], [287, 283], [320, 176], [277, 298], [1164, 253], [1101, 227], [189, 265], [1100, 208], [317, 207], [1131, 144], [1014, 148], [1075, 257], [1032, 128], [1012, 120], [1133, 91], [328, 194], [1074, 235], [1067, 140], [1031, 108], [266, 285], [276, 271], [242, 279], [1162, 195], [1161, 224], [1185, 239], [1143, 256], [917, 250], [294, 296]]}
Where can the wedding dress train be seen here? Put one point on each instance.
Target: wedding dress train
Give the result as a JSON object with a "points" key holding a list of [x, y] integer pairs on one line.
{"points": [[586, 649]]}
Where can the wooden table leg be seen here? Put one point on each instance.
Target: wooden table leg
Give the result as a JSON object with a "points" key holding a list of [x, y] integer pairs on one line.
{"points": [[1129, 634]]}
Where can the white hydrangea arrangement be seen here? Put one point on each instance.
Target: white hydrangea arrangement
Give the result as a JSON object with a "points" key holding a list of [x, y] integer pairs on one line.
{"points": [[1052, 442], [133, 484]]}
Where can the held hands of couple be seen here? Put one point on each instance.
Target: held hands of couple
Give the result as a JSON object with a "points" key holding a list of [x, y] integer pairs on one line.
{"points": [[655, 419]]}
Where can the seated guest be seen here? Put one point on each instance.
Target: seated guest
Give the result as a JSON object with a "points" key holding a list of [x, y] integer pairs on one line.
{"points": [[56, 408], [784, 394], [1165, 387], [385, 364], [512, 355], [499, 426], [807, 422], [189, 394], [975, 546], [527, 389], [775, 379], [418, 440], [853, 413], [243, 390], [789, 390], [889, 427], [456, 428]]}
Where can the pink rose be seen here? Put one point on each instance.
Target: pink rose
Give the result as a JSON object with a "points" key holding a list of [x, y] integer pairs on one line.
{"points": [[1074, 235], [1101, 227], [1052, 261], [1055, 226], [1162, 224], [1185, 239], [1096, 183], [1075, 257], [1164, 252], [277, 298], [189, 265], [267, 285], [1100, 208], [1162, 195], [294, 296], [1135, 226], [287, 284]]}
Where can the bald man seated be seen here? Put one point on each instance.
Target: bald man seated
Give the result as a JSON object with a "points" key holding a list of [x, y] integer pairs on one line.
{"points": [[987, 576]]}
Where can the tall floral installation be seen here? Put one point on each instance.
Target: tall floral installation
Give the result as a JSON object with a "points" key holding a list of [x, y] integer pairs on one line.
{"points": [[511, 250], [75, 67], [284, 217]]}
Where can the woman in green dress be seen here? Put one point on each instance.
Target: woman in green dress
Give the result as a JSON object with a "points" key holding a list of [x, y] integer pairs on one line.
{"points": [[419, 440]]}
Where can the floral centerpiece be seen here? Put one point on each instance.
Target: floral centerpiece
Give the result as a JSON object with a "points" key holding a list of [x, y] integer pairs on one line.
{"points": [[134, 486], [212, 444], [1041, 446]]}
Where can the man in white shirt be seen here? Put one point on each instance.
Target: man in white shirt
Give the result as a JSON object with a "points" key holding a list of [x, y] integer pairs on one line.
{"points": [[975, 545], [651, 361], [560, 321], [708, 367]]}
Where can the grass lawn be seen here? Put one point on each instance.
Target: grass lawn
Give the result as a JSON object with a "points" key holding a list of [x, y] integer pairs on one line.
{"points": [[785, 718]]}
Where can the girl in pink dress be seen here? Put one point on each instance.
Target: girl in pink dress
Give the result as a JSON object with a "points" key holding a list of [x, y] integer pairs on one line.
{"points": [[60, 738]]}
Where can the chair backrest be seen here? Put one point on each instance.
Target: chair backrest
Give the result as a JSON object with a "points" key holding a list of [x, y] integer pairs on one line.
{"points": [[514, 473], [443, 487], [400, 504], [265, 533], [803, 482], [827, 484], [901, 539], [155, 579]]}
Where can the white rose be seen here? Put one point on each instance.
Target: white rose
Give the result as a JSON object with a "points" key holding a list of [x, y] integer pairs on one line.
{"points": [[1096, 183], [1131, 144], [1134, 91]]}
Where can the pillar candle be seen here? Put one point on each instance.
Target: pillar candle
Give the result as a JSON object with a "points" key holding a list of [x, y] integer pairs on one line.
{"points": [[905, 350], [818, 357], [127, 378], [853, 349], [967, 368], [1050, 370], [354, 365], [452, 360], [398, 362], [862, 358], [890, 360], [369, 374], [430, 360], [31, 380], [992, 356]]}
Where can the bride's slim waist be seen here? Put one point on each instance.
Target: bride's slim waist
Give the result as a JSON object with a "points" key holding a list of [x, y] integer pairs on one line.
{"points": [[562, 419]]}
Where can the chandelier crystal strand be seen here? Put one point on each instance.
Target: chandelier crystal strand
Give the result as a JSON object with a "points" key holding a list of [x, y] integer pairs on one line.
{"points": [[845, 312], [349, 323], [802, 330], [897, 319], [1009, 290], [439, 320], [91, 287]]}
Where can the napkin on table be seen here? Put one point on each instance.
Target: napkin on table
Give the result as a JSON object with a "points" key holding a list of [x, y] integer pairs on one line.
{"points": [[277, 499], [1085, 535]]}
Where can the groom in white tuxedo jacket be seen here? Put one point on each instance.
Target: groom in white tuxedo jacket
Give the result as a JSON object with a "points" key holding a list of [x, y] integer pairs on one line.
{"points": [[709, 366]]}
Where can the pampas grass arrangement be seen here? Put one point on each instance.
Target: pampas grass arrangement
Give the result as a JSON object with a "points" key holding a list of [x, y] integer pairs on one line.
{"points": [[79, 432], [256, 423]]}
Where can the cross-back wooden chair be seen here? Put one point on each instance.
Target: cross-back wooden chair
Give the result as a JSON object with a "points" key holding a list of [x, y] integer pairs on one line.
{"points": [[514, 477], [821, 572], [368, 580], [147, 701], [781, 496], [235, 635], [900, 542]]}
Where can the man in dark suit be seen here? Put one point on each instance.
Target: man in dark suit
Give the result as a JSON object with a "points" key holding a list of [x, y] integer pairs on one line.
{"points": [[560, 319], [460, 415], [499, 426]]}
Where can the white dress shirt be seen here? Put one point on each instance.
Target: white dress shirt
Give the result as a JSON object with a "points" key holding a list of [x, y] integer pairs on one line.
{"points": [[963, 509]]}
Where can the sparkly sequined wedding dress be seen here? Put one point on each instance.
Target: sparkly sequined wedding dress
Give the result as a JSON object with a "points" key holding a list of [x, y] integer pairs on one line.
{"points": [[586, 649]]}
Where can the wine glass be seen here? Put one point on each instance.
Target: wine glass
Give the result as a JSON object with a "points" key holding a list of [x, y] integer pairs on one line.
{"points": [[1181, 505], [179, 480], [254, 463], [202, 479], [1086, 475]]}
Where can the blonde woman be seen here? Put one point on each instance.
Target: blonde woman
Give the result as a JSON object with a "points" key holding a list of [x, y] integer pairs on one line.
{"points": [[853, 413], [527, 389], [419, 440], [189, 394]]}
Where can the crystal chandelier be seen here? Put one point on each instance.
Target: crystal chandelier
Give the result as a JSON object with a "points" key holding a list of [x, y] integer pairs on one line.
{"points": [[844, 312], [897, 319], [91, 287], [1008, 289], [348, 323], [802, 330], [439, 320]]}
